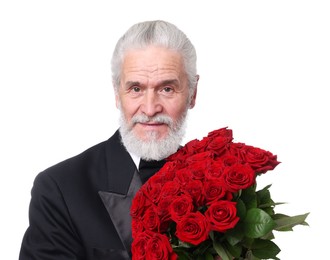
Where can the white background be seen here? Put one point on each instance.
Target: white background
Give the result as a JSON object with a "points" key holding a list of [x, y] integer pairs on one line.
{"points": [[264, 72]]}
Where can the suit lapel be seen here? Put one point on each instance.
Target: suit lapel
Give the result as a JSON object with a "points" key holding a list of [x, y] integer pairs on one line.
{"points": [[122, 184], [118, 207]]}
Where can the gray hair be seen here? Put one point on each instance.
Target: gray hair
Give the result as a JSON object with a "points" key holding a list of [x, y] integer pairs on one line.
{"points": [[158, 33]]}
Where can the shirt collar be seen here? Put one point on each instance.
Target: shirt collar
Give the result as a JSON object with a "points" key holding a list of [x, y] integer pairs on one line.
{"points": [[136, 159]]}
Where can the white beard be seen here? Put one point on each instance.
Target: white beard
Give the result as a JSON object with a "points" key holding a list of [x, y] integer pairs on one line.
{"points": [[154, 148]]}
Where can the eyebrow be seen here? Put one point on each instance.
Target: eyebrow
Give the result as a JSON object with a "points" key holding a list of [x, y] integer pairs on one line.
{"points": [[169, 82], [129, 84]]}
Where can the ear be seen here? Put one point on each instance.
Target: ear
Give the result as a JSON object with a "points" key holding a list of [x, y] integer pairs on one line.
{"points": [[117, 100], [115, 91], [193, 98]]}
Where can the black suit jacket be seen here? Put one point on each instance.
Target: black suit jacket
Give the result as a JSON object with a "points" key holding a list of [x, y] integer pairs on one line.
{"points": [[80, 207]]}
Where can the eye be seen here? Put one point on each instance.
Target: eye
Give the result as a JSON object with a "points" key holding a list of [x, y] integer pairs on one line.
{"points": [[136, 89], [167, 90]]}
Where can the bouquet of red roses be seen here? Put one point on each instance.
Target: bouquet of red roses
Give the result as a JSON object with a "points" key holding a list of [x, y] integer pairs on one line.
{"points": [[204, 204]]}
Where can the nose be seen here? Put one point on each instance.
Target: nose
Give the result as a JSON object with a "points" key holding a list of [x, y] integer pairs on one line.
{"points": [[151, 104]]}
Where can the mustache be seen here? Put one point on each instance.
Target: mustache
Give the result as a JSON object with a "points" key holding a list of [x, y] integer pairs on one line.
{"points": [[161, 119]]}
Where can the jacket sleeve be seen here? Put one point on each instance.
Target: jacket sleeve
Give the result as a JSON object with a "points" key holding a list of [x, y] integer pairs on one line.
{"points": [[51, 234]]}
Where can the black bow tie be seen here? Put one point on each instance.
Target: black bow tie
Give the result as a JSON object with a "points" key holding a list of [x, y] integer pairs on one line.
{"points": [[149, 168]]}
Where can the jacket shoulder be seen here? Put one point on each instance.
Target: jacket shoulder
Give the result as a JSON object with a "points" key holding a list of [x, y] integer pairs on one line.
{"points": [[87, 170]]}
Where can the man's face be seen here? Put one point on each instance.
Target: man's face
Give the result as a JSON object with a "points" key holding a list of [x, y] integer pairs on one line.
{"points": [[153, 83]]}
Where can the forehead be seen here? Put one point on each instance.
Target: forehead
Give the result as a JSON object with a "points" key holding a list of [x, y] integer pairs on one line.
{"points": [[152, 62]]}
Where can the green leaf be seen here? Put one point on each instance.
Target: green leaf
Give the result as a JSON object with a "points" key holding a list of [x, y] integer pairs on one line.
{"points": [[250, 256], [184, 244], [182, 255], [241, 209], [201, 248], [264, 196], [234, 250], [268, 209], [268, 236], [279, 215], [247, 242], [221, 251], [208, 256], [235, 235], [265, 249], [257, 223], [211, 235], [279, 203], [286, 223], [267, 187], [249, 197]]}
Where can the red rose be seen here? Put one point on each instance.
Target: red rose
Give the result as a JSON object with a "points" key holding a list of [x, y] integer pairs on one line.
{"points": [[166, 173], [193, 228], [195, 146], [260, 160], [199, 146], [214, 169], [138, 204], [229, 160], [222, 215], [164, 213], [139, 246], [208, 155], [196, 190], [238, 176], [183, 176], [170, 188], [223, 132], [219, 144], [181, 155], [214, 190], [234, 148], [152, 190], [151, 219], [137, 227], [158, 247], [190, 147], [197, 169], [180, 207], [162, 207]]}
